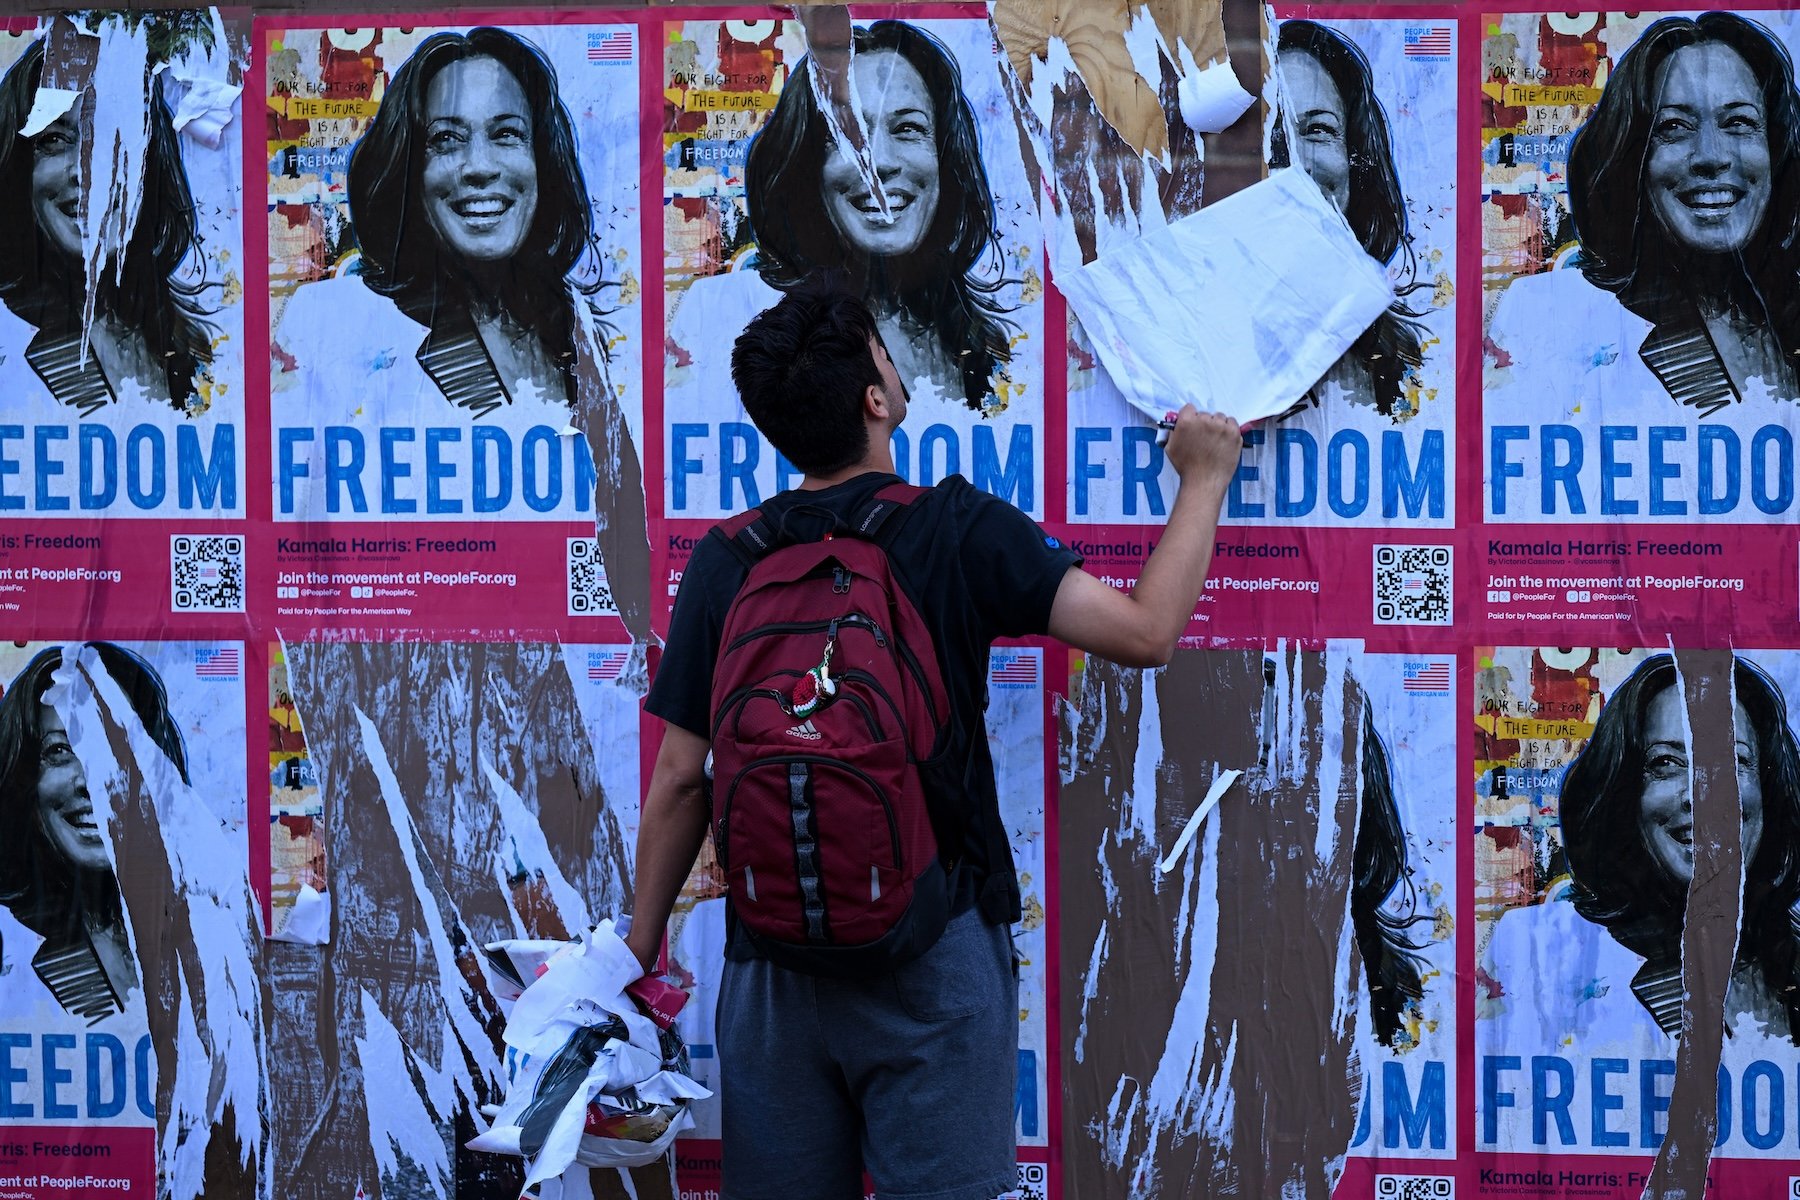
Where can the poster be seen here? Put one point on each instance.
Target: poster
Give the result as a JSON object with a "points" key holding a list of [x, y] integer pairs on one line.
{"points": [[1585, 841], [1343, 753], [123, 775], [1373, 443], [122, 357], [454, 259], [1639, 455], [756, 202]]}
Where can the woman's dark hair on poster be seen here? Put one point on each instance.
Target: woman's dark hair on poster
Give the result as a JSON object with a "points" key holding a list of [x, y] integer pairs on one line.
{"points": [[402, 257], [36, 882], [148, 294], [1620, 248], [1379, 869], [941, 285], [1376, 209], [1618, 884]]}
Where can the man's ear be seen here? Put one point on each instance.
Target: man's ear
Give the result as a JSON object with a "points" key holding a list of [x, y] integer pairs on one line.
{"points": [[875, 403]]}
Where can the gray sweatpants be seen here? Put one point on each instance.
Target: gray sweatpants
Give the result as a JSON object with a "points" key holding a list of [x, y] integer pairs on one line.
{"points": [[911, 1074]]}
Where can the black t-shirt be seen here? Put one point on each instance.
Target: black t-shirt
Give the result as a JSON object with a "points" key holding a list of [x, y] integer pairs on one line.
{"points": [[975, 567]]}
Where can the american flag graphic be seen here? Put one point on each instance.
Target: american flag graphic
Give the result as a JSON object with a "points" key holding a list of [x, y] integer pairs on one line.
{"points": [[1425, 676], [613, 47], [1427, 41], [221, 663], [603, 664], [1013, 669]]}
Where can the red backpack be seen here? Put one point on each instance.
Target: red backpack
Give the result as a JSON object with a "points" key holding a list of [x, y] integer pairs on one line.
{"points": [[830, 721]]}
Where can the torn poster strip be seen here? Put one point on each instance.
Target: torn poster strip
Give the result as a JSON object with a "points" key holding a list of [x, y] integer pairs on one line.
{"points": [[1219, 787]]}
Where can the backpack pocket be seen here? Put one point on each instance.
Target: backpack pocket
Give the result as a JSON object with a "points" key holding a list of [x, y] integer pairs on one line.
{"points": [[811, 845]]}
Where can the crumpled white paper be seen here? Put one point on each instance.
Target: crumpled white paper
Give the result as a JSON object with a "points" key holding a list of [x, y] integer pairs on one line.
{"points": [[1211, 98], [575, 1037], [1239, 308], [205, 106], [309, 920]]}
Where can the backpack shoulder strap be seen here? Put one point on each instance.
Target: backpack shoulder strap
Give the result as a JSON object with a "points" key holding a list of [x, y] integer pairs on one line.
{"points": [[748, 536], [874, 520]]}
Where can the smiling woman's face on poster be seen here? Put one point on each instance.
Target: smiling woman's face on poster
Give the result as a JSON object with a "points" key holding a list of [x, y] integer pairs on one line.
{"points": [[1319, 122], [1666, 810], [897, 114], [56, 192], [480, 176], [1706, 174]]}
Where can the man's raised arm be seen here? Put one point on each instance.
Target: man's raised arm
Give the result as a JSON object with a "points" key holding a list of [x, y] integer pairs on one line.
{"points": [[1141, 629]]}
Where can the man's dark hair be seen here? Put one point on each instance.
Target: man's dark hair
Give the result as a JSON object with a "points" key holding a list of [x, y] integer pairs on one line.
{"points": [[1622, 246], [146, 291], [1376, 211], [1618, 883], [942, 285], [802, 368], [402, 257]]}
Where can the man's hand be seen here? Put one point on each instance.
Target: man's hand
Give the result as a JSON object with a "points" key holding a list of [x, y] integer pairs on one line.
{"points": [[1203, 447]]}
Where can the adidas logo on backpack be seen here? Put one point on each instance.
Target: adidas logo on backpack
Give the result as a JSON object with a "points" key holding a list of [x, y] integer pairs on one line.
{"points": [[829, 719]]}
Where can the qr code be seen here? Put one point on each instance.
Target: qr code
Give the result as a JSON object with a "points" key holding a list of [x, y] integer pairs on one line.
{"points": [[1412, 585], [206, 573], [589, 593], [1033, 1181], [1415, 1187]]}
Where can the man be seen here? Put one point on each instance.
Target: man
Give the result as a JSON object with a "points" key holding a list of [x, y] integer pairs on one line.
{"points": [[909, 1073]]}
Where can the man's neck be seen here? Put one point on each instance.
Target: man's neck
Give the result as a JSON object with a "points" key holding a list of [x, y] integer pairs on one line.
{"points": [[880, 458]]}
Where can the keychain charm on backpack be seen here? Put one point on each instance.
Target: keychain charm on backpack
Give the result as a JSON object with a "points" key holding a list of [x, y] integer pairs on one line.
{"points": [[816, 688]]}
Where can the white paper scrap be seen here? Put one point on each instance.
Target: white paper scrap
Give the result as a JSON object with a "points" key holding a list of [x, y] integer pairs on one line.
{"points": [[1220, 786], [206, 105], [309, 920], [1212, 98], [49, 104], [1239, 308]]}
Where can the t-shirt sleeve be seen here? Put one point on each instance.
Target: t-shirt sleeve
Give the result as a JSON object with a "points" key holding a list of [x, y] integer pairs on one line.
{"points": [[681, 693], [1013, 567]]}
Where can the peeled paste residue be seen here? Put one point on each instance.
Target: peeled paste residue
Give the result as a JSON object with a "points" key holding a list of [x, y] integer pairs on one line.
{"points": [[1178, 1088], [1710, 929], [461, 780]]}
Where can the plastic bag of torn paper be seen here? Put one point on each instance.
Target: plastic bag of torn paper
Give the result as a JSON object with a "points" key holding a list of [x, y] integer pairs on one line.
{"points": [[591, 1080], [1239, 308]]}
